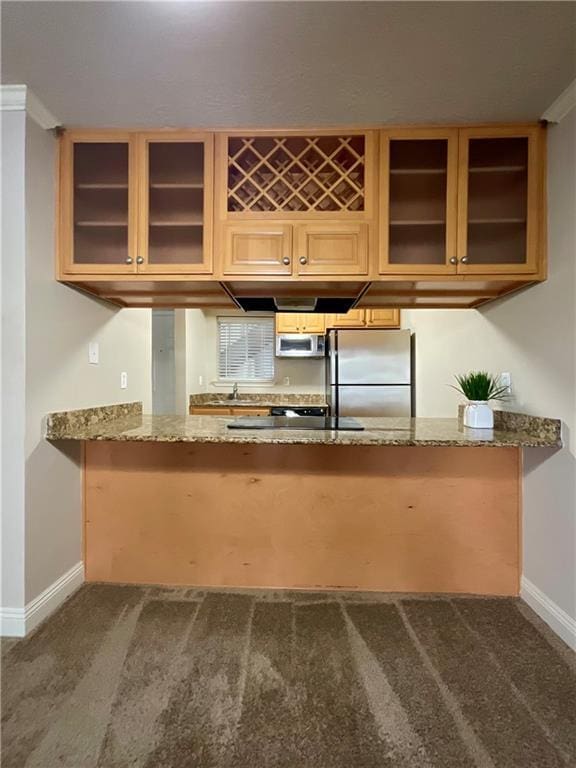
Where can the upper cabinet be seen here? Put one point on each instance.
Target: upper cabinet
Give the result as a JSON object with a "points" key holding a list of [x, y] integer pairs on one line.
{"points": [[295, 322], [300, 322], [136, 203], [365, 318], [460, 200], [318, 189], [98, 203], [176, 194], [406, 217], [418, 187], [500, 200]]}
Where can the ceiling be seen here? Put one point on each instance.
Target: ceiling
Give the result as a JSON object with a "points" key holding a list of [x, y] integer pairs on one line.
{"points": [[289, 63]]}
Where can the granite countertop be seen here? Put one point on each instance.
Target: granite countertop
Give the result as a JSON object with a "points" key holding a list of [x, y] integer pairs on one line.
{"points": [[263, 399], [127, 423]]}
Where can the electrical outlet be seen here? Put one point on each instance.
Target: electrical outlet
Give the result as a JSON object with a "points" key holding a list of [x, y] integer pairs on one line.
{"points": [[93, 353], [200, 380], [506, 381], [286, 381], [123, 380]]}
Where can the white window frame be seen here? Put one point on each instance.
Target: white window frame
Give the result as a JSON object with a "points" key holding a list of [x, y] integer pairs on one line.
{"points": [[230, 319]]}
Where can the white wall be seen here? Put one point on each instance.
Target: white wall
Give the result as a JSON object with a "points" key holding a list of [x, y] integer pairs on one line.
{"points": [[532, 335], [13, 227], [306, 376], [59, 323]]}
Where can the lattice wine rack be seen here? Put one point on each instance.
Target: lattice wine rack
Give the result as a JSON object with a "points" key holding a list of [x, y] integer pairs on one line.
{"points": [[296, 173]]}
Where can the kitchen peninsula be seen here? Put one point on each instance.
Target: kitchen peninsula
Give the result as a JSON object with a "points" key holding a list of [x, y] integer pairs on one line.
{"points": [[406, 505]]}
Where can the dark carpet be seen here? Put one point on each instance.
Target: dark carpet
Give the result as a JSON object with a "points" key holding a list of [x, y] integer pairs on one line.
{"points": [[135, 677]]}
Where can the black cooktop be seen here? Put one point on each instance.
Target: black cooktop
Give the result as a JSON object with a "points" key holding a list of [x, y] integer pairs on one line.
{"points": [[296, 422]]}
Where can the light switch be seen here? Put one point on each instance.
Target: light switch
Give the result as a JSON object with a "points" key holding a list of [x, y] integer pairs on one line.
{"points": [[93, 353], [123, 380]]}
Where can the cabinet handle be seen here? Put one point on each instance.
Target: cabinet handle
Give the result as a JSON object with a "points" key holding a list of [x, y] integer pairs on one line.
{"points": [[129, 260], [464, 260], [303, 260], [139, 260], [453, 260], [286, 260]]}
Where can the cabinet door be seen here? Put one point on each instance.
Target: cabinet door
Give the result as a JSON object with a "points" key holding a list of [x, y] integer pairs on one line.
{"points": [[175, 203], [257, 249], [500, 200], [248, 410], [418, 210], [354, 318], [288, 322], [383, 318], [98, 199], [310, 322], [332, 249], [209, 410]]}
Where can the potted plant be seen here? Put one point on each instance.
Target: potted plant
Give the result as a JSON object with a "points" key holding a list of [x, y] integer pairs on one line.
{"points": [[479, 387]]}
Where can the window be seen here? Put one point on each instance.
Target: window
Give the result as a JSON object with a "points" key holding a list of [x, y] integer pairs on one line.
{"points": [[246, 349]]}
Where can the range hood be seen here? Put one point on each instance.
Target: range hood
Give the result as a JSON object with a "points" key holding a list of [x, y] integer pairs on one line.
{"points": [[280, 304]]}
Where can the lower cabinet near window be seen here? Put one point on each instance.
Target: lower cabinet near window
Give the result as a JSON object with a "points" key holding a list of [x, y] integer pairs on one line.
{"points": [[218, 410]]}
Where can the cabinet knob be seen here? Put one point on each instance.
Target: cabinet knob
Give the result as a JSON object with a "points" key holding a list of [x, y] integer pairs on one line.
{"points": [[139, 260], [464, 260], [303, 260], [453, 260], [129, 260], [286, 260]]}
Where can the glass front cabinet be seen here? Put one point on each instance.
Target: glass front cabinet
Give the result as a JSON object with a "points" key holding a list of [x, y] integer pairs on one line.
{"points": [[460, 201], [136, 203]]}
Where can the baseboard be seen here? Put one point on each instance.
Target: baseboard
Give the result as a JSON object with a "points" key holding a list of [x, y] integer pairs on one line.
{"points": [[556, 618], [18, 622]]}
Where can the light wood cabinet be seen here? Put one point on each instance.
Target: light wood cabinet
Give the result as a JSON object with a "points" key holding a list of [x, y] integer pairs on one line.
{"points": [[98, 230], [175, 205], [136, 203], [320, 184], [256, 248], [219, 410], [332, 249], [460, 201], [418, 186], [412, 217], [354, 318], [365, 318], [499, 200], [382, 318], [300, 322]]}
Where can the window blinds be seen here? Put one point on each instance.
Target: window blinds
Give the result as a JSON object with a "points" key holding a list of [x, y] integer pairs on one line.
{"points": [[246, 348]]}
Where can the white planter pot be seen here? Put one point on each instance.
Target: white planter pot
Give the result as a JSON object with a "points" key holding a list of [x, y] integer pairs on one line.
{"points": [[479, 415]]}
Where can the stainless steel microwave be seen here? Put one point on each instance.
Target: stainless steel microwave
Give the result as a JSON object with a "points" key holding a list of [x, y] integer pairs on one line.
{"points": [[299, 345]]}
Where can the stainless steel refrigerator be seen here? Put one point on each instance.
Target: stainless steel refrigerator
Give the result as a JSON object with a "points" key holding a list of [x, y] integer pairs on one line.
{"points": [[369, 372]]}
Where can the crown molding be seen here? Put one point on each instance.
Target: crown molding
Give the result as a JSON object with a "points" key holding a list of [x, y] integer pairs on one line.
{"points": [[563, 104], [16, 98]]}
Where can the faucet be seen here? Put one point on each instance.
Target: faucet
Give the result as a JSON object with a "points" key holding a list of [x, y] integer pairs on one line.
{"points": [[234, 394]]}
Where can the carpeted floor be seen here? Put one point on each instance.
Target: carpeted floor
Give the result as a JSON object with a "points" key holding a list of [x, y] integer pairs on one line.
{"points": [[129, 677]]}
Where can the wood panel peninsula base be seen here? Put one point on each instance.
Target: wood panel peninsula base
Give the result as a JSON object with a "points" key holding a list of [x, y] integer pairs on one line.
{"points": [[320, 516]]}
